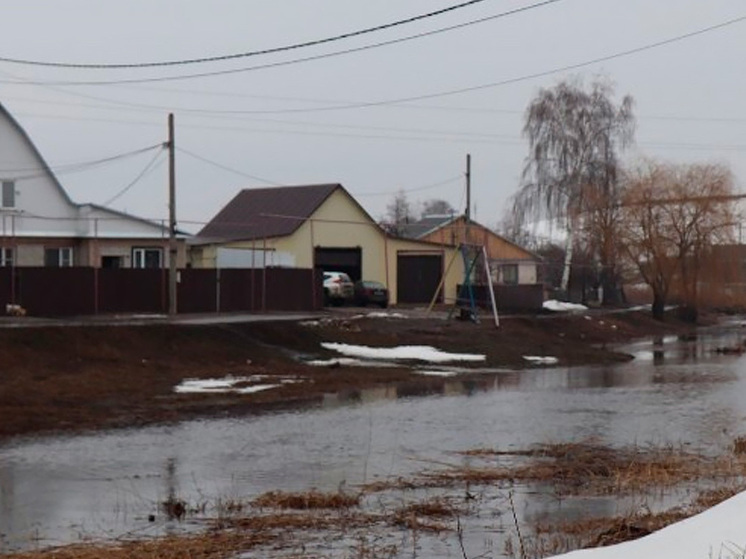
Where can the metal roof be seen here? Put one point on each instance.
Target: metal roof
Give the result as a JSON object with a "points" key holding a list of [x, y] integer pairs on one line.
{"points": [[261, 213]]}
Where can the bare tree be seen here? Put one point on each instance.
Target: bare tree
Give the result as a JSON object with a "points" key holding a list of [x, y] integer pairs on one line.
{"points": [[672, 216], [437, 206], [398, 214], [574, 135]]}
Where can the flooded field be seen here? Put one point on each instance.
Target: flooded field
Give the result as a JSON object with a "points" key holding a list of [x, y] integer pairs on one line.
{"points": [[682, 394]]}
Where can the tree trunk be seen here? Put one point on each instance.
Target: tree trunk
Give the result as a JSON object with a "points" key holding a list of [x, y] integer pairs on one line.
{"points": [[569, 244], [659, 305]]}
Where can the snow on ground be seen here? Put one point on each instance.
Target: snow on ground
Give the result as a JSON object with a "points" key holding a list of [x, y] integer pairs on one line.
{"points": [[541, 360], [411, 352], [718, 533], [437, 373], [225, 384], [340, 361], [385, 315], [562, 306]]}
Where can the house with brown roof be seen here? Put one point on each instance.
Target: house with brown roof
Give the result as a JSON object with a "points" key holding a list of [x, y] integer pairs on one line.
{"points": [[510, 264], [321, 226]]}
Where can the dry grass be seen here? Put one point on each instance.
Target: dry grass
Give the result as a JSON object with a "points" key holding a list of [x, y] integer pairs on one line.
{"points": [[306, 500], [587, 468], [420, 516], [212, 545]]}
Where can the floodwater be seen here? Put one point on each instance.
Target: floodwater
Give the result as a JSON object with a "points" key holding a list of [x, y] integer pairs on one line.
{"points": [[63, 489]]}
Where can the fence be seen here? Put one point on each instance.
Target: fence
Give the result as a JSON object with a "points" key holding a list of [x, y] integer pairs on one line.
{"points": [[85, 291], [509, 298]]}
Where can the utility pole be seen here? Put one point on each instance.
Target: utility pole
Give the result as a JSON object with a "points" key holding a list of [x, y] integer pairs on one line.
{"points": [[172, 248], [467, 214]]}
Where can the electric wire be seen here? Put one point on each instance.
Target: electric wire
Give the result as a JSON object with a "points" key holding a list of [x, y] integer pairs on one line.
{"points": [[151, 166], [67, 168], [225, 167], [224, 57], [285, 62]]}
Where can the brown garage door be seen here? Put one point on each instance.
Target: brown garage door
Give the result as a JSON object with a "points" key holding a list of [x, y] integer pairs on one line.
{"points": [[418, 277]]}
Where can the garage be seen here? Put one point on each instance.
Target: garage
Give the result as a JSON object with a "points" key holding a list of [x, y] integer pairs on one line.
{"points": [[347, 260], [418, 277]]}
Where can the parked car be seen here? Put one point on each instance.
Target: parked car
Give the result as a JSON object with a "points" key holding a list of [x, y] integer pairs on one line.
{"points": [[371, 293], [338, 288]]}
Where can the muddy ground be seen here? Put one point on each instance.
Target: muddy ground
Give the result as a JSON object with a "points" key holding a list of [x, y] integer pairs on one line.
{"points": [[58, 379]]}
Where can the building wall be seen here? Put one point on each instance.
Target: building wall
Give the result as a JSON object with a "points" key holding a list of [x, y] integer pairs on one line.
{"points": [[500, 251], [86, 252]]}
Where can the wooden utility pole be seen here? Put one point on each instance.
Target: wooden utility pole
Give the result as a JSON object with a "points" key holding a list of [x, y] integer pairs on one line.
{"points": [[467, 213], [172, 248]]}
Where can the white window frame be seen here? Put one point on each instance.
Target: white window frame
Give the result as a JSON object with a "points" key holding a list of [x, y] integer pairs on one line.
{"points": [[6, 257], [139, 256], [65, 256]]}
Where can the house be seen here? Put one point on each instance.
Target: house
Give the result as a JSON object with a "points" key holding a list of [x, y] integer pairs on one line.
{"points": [[510, 264], [42, 226], [321, 226]]}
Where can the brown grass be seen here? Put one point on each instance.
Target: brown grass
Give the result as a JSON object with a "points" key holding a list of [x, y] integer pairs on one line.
{"points": [[588, 468], [306, 500], [420, 516], [212, 545]]}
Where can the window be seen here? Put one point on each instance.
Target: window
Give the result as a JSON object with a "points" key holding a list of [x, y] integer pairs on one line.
{"points": [[111, 262], [58, 257], [147, 257], [9, 194], [6, 257], [510, 274]]}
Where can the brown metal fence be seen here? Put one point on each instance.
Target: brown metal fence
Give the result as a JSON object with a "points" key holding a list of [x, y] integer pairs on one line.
{"points": [[509, 298], [86, 291]]}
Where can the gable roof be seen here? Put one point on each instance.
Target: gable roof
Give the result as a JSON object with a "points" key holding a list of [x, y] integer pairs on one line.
{"points": [[78, 207], [259, 213], [27, 140], [431, 224]]}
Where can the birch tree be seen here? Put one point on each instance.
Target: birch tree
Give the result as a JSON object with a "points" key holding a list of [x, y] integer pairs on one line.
{"points": [[575, 135]]}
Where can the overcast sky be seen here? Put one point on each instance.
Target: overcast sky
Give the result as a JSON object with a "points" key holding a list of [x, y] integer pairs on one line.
{"points": [[303, 123]]}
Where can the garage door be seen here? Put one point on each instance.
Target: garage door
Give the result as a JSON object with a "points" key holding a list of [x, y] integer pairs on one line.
{"points": [[418, 277], [347, 260]]}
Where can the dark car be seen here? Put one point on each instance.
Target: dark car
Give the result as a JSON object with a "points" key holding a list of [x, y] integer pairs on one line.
{"points": [[371, 293]]}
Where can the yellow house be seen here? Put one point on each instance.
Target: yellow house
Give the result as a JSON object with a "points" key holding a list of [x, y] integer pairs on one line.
{"points": [[323, 227]]}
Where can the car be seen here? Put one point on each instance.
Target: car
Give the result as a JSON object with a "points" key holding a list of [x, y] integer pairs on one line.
{"points": [[369, 292], [338, 288]]}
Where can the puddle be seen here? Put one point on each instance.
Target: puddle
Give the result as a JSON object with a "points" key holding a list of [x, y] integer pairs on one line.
{"points": [[56, 490]]}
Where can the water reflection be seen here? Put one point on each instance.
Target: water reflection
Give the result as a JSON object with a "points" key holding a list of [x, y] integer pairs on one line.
{"points": [[59, 489]]}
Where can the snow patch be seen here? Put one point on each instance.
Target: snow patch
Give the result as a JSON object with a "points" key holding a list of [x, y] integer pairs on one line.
{"points": [[717, 533], [225, 384], [338, 362], [385, 315], [541, 360], [437, 373], [412, 352], [562, 306]]}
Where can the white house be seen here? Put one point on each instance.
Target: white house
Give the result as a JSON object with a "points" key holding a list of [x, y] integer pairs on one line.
{"points": [[42, 226]]}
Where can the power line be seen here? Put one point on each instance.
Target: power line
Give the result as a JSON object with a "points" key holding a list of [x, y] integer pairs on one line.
{"points": [[225, 167], [151, 166], [224, 57], [287, 62], [76, 167]]}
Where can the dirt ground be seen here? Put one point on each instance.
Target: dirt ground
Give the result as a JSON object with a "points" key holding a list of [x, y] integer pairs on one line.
{"points": [[78, 378]]}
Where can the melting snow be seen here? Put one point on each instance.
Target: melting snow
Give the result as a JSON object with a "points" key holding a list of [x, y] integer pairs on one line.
{"points": [[560, 306], [419, 353], [437, 373], [717, 533], [225, 384], [539, 360]]}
